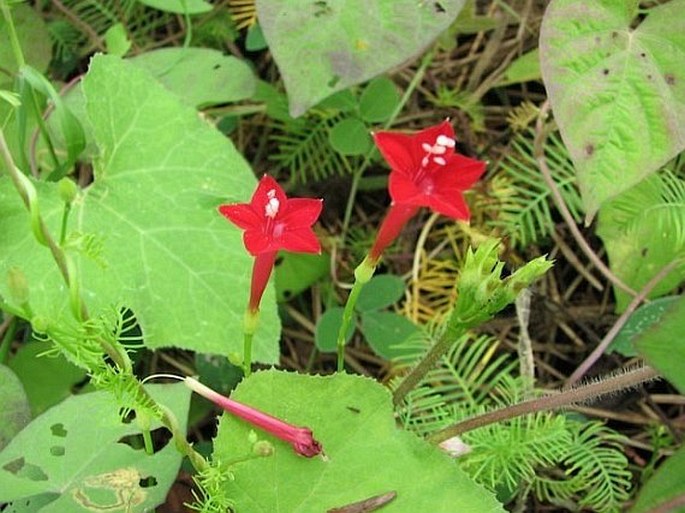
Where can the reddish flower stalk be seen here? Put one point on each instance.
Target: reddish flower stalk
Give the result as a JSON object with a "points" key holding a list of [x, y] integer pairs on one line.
{"points": [[272, 222], [300, 438]]}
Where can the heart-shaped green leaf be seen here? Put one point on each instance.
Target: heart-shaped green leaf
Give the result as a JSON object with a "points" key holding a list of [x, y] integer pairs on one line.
{"points": [[618, 93], [155, 240], [326, 46], [366, 453]]}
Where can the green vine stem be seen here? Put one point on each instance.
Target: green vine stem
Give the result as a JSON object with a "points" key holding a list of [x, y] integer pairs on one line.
{"points": [[362, 275], [366, 269], [581, 394], [14, 40], [27, 193], [417, 373]]}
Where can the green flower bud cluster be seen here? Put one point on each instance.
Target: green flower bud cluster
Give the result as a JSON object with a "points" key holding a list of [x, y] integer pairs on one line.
{"points": [[482, 292]]}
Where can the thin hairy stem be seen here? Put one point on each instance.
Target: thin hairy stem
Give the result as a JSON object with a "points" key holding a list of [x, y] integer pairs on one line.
{"points": [[562, 399], [539, 154], [620, 322], [415, 376]]}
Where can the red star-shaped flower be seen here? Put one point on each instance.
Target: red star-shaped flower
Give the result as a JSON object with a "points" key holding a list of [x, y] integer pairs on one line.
{"points": [[426, 171], [273, 221]]}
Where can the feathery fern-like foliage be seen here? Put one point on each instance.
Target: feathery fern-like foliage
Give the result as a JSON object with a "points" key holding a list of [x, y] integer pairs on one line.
{"points": [[522, 210], [304, 150], [562, 461], [594, 470], [74, 25]]}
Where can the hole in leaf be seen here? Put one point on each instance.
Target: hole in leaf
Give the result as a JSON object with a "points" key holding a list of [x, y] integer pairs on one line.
{"points": [[127, 415], [287, 294], [58, 430], [589, 149], [160, 438], [334, 81], [670, 78], [605, 71], [57, 450], [20, 468], [148, 482], [216, 66], [135, 442], [439, 7], [279, 260], [77, 387]]}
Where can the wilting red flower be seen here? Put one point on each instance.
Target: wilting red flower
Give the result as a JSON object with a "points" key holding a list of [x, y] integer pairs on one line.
{"points": [[300, 438], [425, 172], [272, 222]]}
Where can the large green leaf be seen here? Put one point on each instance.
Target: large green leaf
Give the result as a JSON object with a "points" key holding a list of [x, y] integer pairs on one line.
{"points": [[366, 453], [74, 458], [324, 47], [643, 230], [166, 252], [663, 345], [215, 77], [618, 93]]}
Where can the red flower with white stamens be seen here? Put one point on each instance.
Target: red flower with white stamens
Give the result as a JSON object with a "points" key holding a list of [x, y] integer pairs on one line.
{"points": [[272, 222], [425, 172]]}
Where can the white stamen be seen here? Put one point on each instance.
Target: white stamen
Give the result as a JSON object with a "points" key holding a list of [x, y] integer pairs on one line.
{"points": [[440, 161], [427, 147], [445, 141], [438, 150], [271, 208], [424, 162]]}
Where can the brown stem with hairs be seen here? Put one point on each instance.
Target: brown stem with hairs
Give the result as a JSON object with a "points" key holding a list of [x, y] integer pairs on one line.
{"points": [[580, 394]]}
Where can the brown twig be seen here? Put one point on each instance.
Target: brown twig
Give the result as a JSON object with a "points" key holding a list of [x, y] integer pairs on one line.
{"points": [[539, 154], [620, 322]]}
